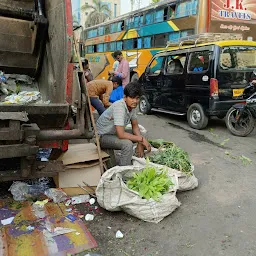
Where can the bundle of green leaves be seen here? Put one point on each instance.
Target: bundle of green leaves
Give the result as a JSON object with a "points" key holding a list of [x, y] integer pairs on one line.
{"points": [[160, 143], [150, 183], [173, 157]]}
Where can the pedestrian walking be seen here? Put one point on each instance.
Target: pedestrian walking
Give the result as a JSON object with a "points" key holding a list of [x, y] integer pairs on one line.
{"points": [[111, 126]]}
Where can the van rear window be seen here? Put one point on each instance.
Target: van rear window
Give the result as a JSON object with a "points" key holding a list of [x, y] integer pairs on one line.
{"points": [[238, 58]]}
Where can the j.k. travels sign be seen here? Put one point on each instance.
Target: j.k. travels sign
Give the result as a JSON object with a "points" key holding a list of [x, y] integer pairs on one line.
{"points": [[234, 10], [234, 16]]}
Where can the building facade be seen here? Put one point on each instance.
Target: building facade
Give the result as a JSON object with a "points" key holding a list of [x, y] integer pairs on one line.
{"points": [[81, 16]]}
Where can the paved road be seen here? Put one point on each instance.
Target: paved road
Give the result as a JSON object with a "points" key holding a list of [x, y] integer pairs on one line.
{"points": [[217, 218]]}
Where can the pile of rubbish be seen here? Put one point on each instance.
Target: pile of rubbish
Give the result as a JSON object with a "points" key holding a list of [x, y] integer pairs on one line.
{"points": [[22, 191], [19, 89]]}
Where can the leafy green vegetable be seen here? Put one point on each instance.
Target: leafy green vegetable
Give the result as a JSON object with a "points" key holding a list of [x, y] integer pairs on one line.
{"points": [[150, 183], [245, 160], [160, 143], [173, 157]]}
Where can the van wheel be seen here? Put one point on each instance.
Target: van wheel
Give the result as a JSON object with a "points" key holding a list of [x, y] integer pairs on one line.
{"points": [[135, 78], [196, 116], [144, 105]]}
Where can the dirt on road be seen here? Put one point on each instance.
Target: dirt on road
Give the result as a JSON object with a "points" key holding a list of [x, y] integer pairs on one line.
{"points": [[216, 219]]}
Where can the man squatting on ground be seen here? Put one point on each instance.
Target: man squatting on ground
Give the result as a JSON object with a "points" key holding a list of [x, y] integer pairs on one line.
{"points": [[111, 126], [99, 92]]}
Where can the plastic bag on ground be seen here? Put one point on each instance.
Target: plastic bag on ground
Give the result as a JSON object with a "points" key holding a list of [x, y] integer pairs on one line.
{"points": [[19, 190], [22, 191], [114, 195], [57, 195], [186, 182]]}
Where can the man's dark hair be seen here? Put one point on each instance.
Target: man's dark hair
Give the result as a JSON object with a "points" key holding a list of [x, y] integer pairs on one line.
{"points": [[117, 53], [116, 79], [133, 90], [85, 62]]}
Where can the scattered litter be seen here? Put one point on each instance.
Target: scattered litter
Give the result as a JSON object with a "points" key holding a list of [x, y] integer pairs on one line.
{"points": [[71, 217], [245, 160], [57, 195], [21, 191], [109, 227], [91, 194], [89, 217], [69, 210], [24, 97], [92, 254], [213, 134], [92, 201], [119, 234], [39, 211], [44, 154], [58, 231], [3, 85], [80, 199], [77, 233], [30, 228], [68, 203], [7, 221], [224, 142], [42, 203]]}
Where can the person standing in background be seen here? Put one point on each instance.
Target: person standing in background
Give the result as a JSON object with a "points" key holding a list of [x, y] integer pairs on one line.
{"points": [[115, 65], [87, 72], [123, 70]]}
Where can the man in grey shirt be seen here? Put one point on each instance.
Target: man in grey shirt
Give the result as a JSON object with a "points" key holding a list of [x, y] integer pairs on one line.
{"points": [[111, 126]]}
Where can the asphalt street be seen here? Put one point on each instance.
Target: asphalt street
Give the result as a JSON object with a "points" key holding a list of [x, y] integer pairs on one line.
{"points": [[216, 219]]}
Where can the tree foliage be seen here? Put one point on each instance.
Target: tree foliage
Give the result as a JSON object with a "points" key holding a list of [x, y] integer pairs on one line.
{"points": [[98, 13]]}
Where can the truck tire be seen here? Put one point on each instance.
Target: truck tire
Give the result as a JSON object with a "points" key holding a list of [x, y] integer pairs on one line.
{"points": [[144, 106], [196, 116], [135, 78], [244, 127]]}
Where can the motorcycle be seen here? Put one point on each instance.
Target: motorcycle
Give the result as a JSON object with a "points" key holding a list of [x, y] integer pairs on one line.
{"points": [[240, 119]]}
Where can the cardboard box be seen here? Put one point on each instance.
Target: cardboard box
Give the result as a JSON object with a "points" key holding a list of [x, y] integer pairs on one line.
{"points": [[82, 164], [73, 177]]}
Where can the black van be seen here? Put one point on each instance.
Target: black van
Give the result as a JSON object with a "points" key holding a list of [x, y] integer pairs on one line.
{"points": [[198, 81]]}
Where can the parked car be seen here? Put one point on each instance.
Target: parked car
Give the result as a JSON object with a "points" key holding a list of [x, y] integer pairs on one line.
{"points": [[199, 81]]}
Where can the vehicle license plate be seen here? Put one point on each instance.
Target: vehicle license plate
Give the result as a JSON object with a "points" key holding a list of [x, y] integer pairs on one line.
{"points": [[237, 92]]}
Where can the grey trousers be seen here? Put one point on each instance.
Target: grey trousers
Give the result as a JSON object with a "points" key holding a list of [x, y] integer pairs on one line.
{"points": [[126, 146], [113, 142]]}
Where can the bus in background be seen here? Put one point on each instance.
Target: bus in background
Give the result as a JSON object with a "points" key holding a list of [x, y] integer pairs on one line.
{"points": [[142, 33]]}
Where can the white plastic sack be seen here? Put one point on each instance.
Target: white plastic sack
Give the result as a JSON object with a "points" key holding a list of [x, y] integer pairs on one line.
{"points": [[142, 128], [186, 182], [114, 195]]}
